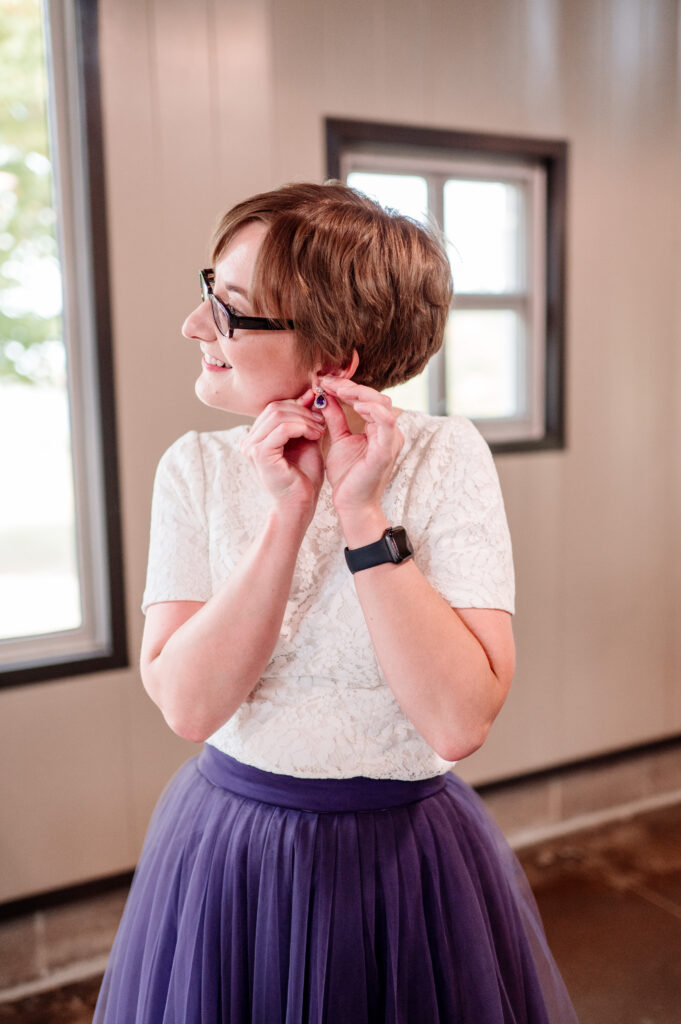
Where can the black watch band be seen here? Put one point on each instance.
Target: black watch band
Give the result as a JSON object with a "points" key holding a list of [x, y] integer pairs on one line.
{"points": [[394, 546]]}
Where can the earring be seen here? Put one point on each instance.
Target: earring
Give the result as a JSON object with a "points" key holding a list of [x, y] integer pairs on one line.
{"points": [[320, 398]]}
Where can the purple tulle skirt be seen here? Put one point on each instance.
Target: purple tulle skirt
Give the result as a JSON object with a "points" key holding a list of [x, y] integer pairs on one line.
{"points": [[266, 899]]}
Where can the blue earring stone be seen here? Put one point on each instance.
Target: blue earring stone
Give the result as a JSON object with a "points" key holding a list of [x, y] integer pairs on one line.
{"points": [[320, 400]]}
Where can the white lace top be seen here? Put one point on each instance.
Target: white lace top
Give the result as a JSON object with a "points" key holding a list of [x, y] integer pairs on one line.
{"points": [[322, 707]]}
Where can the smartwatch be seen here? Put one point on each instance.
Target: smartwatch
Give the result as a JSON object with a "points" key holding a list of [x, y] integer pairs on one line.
{"points": [[394, 546]]}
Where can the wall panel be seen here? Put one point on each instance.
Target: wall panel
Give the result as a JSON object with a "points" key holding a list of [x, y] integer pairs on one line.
{"points": [[206, 102]]}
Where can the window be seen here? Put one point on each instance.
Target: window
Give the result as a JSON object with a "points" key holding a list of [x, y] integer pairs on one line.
{"points": [[61, 589], [500, 204]]}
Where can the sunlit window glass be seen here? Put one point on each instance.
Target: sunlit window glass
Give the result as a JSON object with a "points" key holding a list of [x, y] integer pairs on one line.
{"points": [[483, 359], [407, 193], [39, 586], [483, 227]]}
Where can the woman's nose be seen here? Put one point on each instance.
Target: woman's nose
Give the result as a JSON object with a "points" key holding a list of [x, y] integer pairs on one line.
{"points": [[199, 325]]}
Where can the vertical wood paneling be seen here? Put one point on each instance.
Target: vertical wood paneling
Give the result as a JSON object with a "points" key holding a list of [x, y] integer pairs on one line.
{"points": [[65, 808], [243, 59], [594, 612], [298, 76], [351, 50], [542, 70], [587, 558], [618, 529], [187, 147], [208, 101], [538, 692], [155, 254], [405, 33]]}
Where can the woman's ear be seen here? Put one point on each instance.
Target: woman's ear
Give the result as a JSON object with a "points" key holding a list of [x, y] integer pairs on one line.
{"points": [[347, 371], [351, 368]]}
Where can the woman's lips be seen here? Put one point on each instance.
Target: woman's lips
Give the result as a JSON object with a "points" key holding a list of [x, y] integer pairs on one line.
{"points": [[214, 369]]}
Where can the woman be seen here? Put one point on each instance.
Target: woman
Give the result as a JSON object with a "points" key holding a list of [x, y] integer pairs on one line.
{"points": [[318, 861]]}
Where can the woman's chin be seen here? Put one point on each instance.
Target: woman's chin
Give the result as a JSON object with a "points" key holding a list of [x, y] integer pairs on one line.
{"points": [[212, 397]]}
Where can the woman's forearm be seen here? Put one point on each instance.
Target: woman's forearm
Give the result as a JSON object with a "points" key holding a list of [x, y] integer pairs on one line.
{"points": [[210, 664], [436, 667]]}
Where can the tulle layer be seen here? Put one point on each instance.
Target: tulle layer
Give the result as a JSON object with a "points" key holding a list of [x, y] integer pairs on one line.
{"points": [[399, 902]]}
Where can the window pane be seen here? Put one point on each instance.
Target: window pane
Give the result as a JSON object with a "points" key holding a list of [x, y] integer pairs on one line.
{"points": [[483, 227], [39, 588], [404, 192], [483, 356]]}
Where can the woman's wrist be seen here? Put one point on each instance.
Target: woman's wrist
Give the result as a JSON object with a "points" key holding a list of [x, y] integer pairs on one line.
{"points": [[291, 519], [362, 526]]}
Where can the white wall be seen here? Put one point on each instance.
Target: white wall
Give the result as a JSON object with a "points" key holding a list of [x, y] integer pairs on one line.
{"points": [[206, 102]]}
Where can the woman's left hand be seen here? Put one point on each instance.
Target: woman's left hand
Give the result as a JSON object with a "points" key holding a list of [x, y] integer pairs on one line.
{"points": [[359, 466]]}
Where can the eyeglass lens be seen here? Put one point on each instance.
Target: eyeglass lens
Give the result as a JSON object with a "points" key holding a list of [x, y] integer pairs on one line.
{"points": [[221, 317]]}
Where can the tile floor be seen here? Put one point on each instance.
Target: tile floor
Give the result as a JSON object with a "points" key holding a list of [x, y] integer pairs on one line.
{"points": [[611, 903]]}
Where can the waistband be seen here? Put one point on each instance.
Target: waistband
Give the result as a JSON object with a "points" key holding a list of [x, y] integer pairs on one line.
{"points": [[316, 795]]}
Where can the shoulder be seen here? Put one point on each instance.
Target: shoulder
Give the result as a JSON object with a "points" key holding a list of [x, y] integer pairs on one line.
{"points": [[455, 514], [195, 462], [190, 453], [443, 427], [444, 441], [448, 468]]}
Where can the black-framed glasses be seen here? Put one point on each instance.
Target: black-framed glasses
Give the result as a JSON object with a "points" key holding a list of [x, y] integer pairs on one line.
{"points": [[227, 320]]}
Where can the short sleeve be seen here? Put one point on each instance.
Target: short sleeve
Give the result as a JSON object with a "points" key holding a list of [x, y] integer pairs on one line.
{"points": [[179, 566], [466, 552]]}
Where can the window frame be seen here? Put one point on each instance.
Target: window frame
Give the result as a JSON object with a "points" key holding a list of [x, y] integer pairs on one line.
{"points": [[414, 147], [100, 644]]}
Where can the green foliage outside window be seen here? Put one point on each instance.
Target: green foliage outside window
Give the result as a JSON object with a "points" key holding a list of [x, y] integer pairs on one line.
{"points": [[31, 347]]}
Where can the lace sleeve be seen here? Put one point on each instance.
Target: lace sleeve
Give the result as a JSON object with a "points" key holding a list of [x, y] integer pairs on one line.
{"points": [[466, 547], [178, 567]]}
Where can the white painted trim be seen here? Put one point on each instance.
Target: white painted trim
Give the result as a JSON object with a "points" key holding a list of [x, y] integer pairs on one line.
{"points": [[68, 151]]}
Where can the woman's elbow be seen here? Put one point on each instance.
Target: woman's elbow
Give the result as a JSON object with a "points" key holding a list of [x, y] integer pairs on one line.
{"points": [[187, 722], [186, 728], [455, 740], [183, 722], [455, 748]]}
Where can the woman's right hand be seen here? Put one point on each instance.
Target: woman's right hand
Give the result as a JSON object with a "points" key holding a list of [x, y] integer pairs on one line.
{"points": [[283, 445]]}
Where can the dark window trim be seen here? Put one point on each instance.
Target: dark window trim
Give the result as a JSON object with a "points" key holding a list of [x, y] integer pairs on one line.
{"points": [[117, 655], [552, 154]]}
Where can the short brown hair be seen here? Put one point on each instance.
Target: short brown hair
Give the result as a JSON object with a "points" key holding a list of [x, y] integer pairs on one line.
{"points": [[350, 275]]}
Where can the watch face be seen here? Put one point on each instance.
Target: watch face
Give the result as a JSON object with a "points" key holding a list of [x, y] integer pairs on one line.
{"points": [[400, 544]]}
